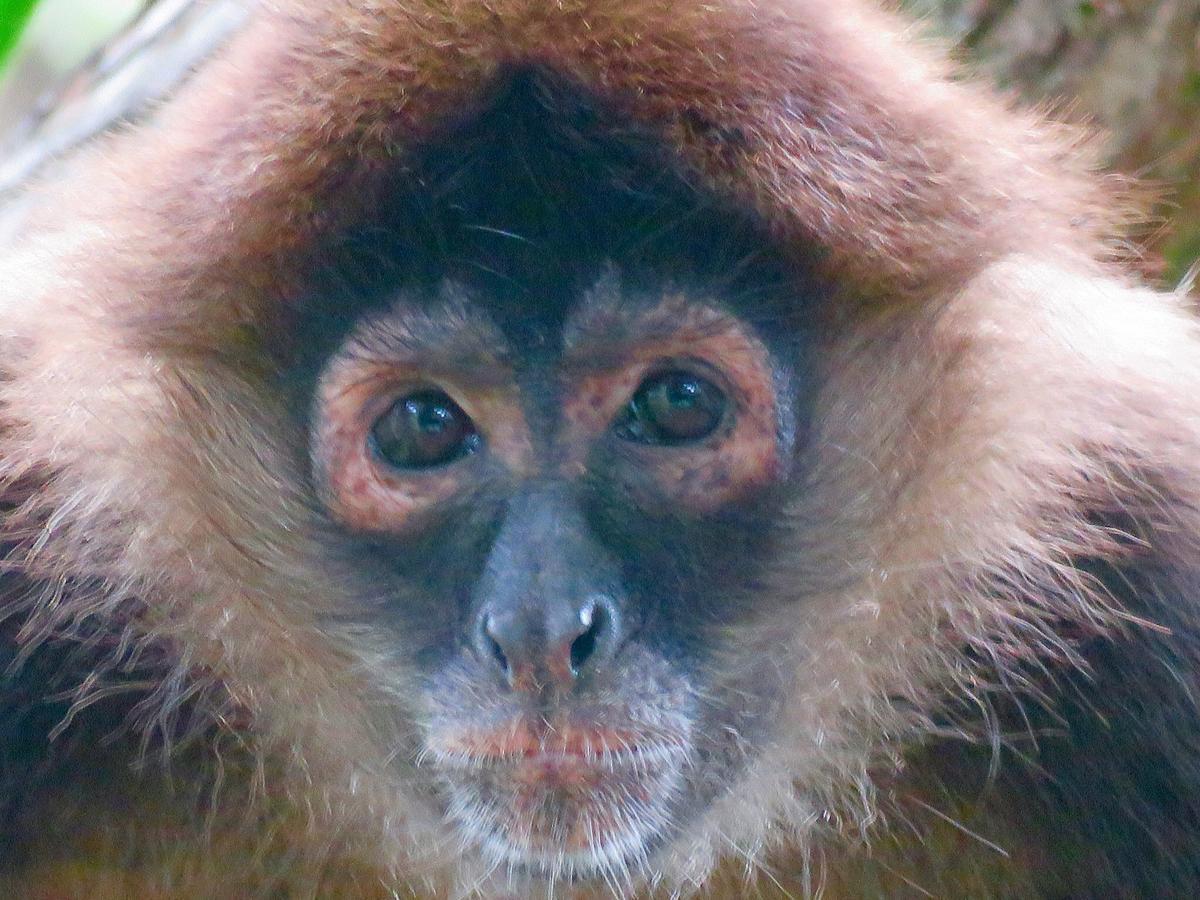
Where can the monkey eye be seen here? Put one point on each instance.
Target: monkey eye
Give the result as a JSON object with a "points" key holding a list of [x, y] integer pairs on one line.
{"points": [[423, 430], [671, 408]]}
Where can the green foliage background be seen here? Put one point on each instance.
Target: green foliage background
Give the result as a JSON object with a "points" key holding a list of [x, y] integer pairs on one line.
{"points": [[13, 16]]}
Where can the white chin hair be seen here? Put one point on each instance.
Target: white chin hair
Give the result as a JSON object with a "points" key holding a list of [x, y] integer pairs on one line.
{"points": [[610, 842]]}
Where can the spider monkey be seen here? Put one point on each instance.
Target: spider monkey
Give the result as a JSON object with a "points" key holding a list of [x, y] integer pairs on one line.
{"points": [[595, 448]]}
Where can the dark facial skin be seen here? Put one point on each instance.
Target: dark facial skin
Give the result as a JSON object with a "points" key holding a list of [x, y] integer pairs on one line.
{"points": [[556, 448], [604, 499]]}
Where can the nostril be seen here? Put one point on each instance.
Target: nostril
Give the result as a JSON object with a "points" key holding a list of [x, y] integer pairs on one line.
{"points": [[531, 647], [499, 655], [595, 621], [494, 646]]}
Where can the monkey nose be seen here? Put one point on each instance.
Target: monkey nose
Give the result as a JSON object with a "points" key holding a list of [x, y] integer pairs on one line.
{"points": [[536, 649]]}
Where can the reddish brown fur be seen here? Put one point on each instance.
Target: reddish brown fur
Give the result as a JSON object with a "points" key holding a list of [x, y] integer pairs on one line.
{"points": [[988, 378]]}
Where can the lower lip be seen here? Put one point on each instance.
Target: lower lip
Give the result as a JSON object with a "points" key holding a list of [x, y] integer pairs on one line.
{"points": [[565, 795], [569, 777], [556, 766], [554, 804]]}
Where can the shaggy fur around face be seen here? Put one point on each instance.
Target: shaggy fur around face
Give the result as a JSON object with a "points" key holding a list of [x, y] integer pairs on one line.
{"points": [[987, 643]]}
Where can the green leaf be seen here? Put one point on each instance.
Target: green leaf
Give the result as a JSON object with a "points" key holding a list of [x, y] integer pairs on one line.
{"points": [[13, 16]]}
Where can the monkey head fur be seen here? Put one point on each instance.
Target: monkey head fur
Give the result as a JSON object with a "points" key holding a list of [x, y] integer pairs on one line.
{"points": [[513, 447]]}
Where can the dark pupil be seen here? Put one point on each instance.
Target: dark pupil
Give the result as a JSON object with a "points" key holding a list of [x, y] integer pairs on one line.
{"points": [[673, 408], [422, 430]]}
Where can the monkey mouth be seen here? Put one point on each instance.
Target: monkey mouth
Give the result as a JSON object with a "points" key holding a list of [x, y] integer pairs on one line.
{"points": [[563, 802]]}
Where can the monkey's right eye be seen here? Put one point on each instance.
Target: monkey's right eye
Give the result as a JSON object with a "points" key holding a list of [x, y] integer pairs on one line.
{"points": [[671, 408], [423, 430]]}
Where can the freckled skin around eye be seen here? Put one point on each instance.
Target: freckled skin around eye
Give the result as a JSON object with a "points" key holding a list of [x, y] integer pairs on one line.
{"points": [[355, 403], [738, 455], [687, 413]]}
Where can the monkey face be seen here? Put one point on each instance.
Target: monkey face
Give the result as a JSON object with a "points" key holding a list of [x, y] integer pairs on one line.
{"points": [[517, 444], [567, 532], [553, 404]]}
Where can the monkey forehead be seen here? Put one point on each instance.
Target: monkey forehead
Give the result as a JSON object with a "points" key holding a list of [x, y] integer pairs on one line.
{"points": [[844, 138]]}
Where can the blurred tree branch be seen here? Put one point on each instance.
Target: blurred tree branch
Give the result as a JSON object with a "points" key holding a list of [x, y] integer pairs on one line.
{"points": [[119, 82]]}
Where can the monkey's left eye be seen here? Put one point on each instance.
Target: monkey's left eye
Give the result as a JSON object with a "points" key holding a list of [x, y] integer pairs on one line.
{"points": [[671, 408], [423, 430]]}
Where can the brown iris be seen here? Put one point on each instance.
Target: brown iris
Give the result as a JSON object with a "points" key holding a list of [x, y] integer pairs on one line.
{"points": [[423, 430], [671, 408]]}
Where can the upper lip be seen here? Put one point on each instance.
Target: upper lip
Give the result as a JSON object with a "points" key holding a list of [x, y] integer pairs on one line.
{"points": [[566, 744]]}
